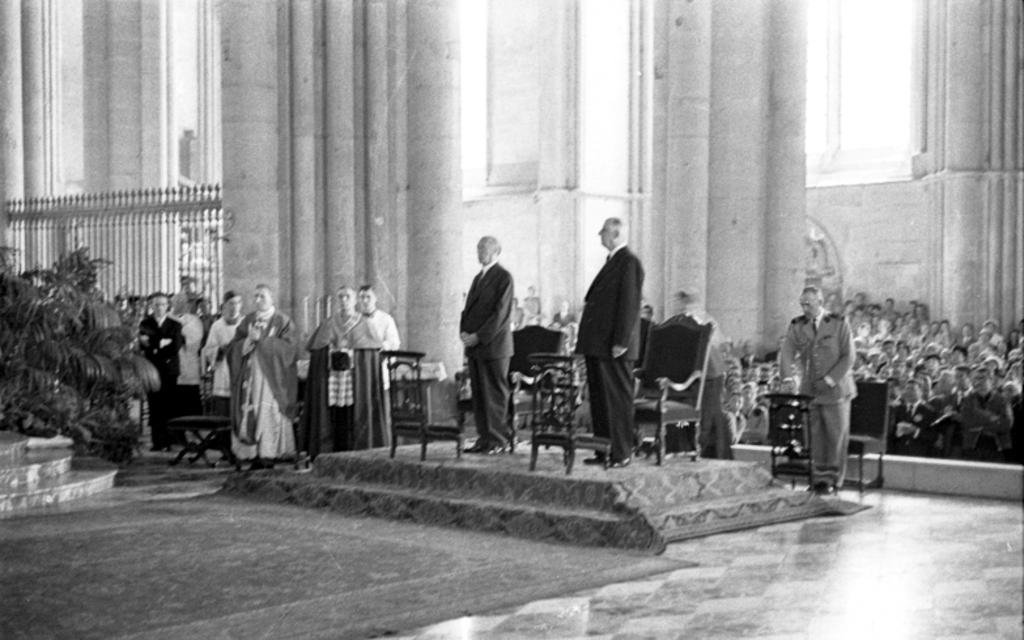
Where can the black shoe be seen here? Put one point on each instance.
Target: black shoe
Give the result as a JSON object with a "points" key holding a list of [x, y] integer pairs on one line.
{"points": [[620, 464], [822, 489], [596, 459], [478, 447]]}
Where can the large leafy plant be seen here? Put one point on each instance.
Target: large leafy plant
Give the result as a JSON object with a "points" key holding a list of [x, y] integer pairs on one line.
{"points": [[68, 363]]}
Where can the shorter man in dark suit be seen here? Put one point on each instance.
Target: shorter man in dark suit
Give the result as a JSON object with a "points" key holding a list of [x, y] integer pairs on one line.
{"points": [[913, 432], [160, 339], [609, 339], [486, 332]]}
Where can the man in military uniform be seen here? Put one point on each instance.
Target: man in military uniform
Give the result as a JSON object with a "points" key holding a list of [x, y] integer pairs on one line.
{"points": [[818, 347]]}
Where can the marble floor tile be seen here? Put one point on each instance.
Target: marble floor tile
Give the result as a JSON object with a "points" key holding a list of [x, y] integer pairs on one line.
{"points": [[910, 568]]}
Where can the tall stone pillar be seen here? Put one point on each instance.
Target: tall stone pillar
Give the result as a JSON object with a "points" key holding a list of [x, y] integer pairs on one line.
{"points": [[976, 187], [435, 190], [558, 271], [736, 217], [251, 192], [96, 86], [682, 94], [786, 165], [34, 105], [339, 145], [307, 232], [12, 175]]}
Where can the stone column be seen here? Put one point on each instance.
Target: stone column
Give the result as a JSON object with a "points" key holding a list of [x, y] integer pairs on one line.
{"points": [[339, 145], [736, 217], [34, 106], [785, 217], [682, 93], [12, 175], [96, 86], [124, 103], [435, 190], [558, 271], [977, 187], [307, 232], [250, 124]]}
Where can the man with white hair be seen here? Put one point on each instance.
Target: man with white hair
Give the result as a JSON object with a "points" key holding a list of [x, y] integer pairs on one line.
{"points": [[609, 340], [485, 329]]}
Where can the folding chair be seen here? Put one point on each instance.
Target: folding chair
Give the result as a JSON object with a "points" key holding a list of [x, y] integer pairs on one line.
{"points": [[206, 432]]}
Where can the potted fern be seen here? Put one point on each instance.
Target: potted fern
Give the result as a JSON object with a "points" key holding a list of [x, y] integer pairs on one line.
{"points": [[68, 362]]}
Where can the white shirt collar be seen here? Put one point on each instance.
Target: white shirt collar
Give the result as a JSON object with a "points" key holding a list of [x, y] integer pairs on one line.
{"points": [[485, 268], [616, 250]]}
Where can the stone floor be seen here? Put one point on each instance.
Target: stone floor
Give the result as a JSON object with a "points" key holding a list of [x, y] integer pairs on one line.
{"points": [[911, 567]]}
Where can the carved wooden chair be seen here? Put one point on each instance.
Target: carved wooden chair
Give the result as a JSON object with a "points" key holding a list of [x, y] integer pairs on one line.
{"points": [[557, 393], [670, 383], [527, 342], [407, 395]]}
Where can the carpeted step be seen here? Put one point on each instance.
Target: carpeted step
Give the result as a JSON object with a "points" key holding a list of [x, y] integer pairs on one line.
{"points": [[12, 447], [706, 517], [25, 473], [53, 491], [573, 524], [508, 478]]}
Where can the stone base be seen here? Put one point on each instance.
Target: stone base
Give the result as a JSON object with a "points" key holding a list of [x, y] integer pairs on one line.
{"points": [[640, 507]]}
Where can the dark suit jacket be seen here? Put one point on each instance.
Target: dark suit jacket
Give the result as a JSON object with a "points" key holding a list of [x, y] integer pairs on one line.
{"points": [[611, 308], [165, 359], [488, 314], [923, 416]]}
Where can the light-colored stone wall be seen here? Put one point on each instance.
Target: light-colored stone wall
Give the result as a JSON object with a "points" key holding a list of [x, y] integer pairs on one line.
{"points": [[884, 237]]}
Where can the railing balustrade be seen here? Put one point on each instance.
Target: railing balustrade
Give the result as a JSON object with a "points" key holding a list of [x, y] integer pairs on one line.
{"points": [[152, 237]]}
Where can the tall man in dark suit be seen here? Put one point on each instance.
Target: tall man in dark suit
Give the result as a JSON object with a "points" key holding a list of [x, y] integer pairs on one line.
{"points": [[160, 338], [486, 332], [822, 343], [609, 339]]}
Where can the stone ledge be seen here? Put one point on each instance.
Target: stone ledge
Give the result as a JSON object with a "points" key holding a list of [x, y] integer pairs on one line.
{"points": [[926, 475]]}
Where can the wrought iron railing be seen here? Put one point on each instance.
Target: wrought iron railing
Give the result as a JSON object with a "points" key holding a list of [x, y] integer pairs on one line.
{"points": [[152, 237]]}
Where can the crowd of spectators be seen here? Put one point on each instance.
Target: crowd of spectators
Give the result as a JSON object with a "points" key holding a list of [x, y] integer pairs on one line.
{"points": [[953, 393]]}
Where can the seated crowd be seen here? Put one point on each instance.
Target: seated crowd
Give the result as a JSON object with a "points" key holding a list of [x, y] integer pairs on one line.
{"points": [[952, 394]]}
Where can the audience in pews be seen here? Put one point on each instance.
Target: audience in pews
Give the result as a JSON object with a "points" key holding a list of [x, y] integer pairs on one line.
{"points": [[954, 393]]}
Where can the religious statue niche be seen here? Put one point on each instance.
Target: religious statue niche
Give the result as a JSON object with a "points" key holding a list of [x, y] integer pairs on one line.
{"points": [[821, 265]]}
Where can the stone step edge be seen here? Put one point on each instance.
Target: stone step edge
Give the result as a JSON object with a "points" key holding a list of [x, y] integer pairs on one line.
{"points": [[78, 485], [26, 474], [606, 530], [12, 446]]}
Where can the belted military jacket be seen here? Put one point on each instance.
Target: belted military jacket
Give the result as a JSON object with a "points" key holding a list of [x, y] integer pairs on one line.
{"points": [[827, 351]]}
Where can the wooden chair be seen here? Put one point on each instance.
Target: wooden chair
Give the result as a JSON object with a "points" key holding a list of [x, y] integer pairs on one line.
{"points": [[789, 436], [527, 342], [670, 384], [557, 393], [869, 426], [407, 395]]}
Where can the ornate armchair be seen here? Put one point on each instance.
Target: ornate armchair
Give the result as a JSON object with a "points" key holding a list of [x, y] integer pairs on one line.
{"points": [[670, 384]]}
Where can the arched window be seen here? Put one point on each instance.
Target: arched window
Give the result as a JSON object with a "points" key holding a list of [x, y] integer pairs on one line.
{"points": [[859, 113]]}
